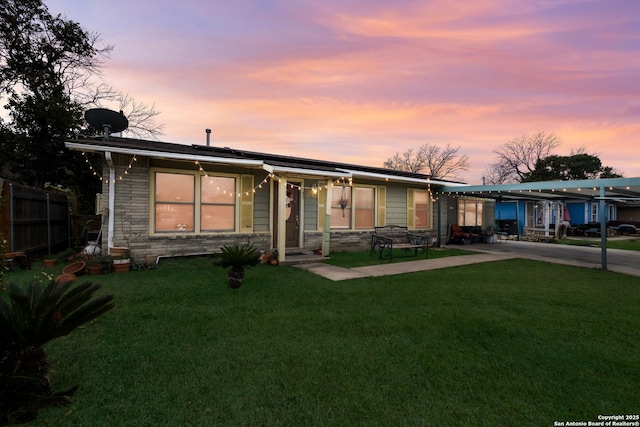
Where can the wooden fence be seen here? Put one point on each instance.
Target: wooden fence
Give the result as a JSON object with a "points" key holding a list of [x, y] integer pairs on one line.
{"points": [[34, 220]]}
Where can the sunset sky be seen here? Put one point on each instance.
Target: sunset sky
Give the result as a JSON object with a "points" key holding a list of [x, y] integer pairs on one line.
{"points": [[357, 81]]}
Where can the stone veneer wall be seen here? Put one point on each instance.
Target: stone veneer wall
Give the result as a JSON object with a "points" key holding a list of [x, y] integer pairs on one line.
{"points": [[350, 240]]}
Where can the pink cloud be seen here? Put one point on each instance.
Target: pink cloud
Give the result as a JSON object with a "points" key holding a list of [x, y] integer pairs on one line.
{"points": [[358, 81]]}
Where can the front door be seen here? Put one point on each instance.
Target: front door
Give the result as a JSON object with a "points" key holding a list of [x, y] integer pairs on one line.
{"points": [[292, 234]]}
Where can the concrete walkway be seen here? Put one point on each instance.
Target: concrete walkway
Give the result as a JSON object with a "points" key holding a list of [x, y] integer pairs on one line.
{"points": [[334, 273], [625, 262]]}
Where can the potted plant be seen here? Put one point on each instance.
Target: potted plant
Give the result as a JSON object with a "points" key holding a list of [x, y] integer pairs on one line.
{"points": [[125, 228], [49, 262], [237, 257], [119, 251], [121, 264], [265, 257], [98, 264], [274, 257]]}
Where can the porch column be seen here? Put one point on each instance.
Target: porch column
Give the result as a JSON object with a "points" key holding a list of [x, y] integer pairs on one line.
{"points": [[326, 233], [282, 211], [546, 217]]}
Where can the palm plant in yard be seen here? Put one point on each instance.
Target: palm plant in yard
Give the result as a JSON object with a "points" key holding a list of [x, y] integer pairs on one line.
{"points": [[31, 318], [238, 257]]}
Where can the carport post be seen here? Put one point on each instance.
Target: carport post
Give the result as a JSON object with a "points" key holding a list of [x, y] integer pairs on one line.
{"points": [[603, 229]]}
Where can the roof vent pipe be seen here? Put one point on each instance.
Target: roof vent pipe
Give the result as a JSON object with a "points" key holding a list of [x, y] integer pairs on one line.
{"points": [[208, 136]]}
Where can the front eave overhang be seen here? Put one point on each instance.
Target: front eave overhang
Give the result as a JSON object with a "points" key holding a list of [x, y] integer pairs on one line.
{"points": [[162, 154], [335, 174], [303, 172], [393, 178]]}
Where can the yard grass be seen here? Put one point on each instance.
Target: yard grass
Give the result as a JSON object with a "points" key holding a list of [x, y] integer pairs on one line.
{"points": [[631, 244], [515, 342]]}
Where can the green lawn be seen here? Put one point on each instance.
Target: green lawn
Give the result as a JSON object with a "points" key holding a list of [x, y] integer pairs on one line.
{"points": [[629, 245], [507, 343]]}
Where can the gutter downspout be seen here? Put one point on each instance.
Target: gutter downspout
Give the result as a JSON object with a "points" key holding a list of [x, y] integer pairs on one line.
{"points": [[112, 199]]}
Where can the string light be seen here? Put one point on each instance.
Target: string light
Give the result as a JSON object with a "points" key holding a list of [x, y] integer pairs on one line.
{"points": [[87, 161], [314, 188]]}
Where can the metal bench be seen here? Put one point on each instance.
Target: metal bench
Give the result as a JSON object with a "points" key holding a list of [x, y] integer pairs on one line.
{"points": [[389, 237]]}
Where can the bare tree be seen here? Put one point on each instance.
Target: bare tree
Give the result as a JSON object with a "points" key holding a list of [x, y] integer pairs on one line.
{"points": [[429, 158], [93, 92], [497, 173], [518, 157], [407, 161]]}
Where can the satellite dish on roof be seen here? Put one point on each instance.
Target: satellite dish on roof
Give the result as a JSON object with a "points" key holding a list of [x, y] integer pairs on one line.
{"points": [[107, 120]]}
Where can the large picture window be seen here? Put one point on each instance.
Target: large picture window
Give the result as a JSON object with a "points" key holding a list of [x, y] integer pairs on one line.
{"points": [[194, 203]]}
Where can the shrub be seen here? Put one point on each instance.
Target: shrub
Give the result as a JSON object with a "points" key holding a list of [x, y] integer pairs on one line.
{"points": [[238, 257], [30, 319]]}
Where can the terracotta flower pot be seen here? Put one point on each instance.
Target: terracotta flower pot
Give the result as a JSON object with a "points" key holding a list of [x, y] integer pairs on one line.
{"points": [[48, 263], [94, 269], [118, 251], [65, 278], [121, 267], [76, 268]]}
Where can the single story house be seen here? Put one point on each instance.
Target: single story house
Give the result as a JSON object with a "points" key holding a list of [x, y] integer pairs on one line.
{"points": [[166, 199]]}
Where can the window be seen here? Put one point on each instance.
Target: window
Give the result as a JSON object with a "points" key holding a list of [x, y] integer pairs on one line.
{"points": [[218, 203], [470, 212], [418, 209], [196, 203], [421, 200], [364, 204], [611, 212], [594, 212], [353, 207], [341, 207], [174, 202]]}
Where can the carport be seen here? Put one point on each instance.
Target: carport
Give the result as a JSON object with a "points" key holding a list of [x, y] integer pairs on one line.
{"points": [[601, 190]]}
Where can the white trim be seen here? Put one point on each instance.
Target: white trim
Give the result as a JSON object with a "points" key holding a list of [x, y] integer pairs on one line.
{"points": [[301, 171], [423, 181], [163, 154]]}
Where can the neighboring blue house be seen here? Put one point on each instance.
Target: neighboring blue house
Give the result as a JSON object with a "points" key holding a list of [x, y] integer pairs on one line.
{"points": [[534, 213]]}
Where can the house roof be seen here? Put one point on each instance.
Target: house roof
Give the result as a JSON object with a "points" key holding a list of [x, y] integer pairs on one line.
{"points": [[231, 156]]}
